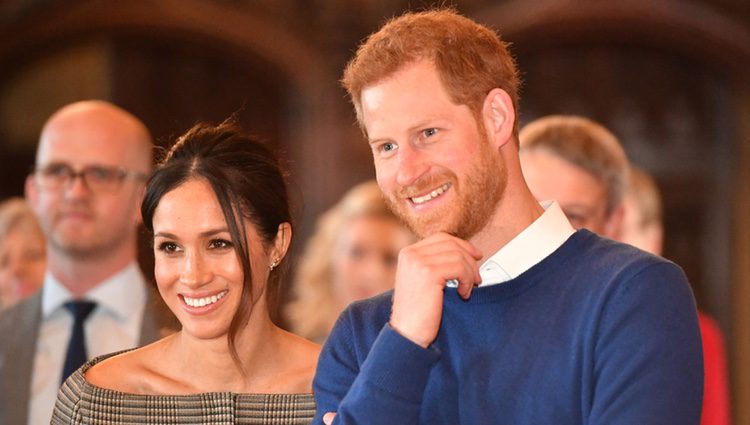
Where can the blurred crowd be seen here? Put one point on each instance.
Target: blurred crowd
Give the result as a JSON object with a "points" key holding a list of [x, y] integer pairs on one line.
{"points": [[383, 278]]}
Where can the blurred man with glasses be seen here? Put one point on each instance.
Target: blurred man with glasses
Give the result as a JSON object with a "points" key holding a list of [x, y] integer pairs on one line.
{"points": [[92, 162]]}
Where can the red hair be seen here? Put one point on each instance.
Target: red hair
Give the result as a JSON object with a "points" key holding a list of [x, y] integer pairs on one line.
{"points": [[471, 59]]}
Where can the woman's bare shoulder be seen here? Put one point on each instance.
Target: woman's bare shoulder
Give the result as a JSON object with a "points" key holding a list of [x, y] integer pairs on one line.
{"points": [[302, 359], [133, 372]]}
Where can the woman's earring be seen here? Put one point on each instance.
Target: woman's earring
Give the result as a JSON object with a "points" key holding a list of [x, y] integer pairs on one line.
{"points": [[274, 264]]}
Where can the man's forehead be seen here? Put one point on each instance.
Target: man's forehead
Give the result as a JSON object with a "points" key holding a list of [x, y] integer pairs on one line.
{"points": [[81, 149], [88, 146], [410, 97]]}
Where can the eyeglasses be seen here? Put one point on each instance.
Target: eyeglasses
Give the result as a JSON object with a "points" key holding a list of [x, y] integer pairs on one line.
{"points": [[98, 178]]}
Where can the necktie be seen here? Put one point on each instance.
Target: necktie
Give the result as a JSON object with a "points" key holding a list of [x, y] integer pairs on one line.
{"points": [[76, 354]]}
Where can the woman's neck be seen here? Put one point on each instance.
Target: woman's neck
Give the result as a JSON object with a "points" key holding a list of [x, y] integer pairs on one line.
{"points": [[207, 365]]}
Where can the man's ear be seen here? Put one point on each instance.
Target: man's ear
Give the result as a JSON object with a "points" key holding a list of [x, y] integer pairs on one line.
{"points": [[282, 241], [138, 219], [653, 239], [31, 192], [613, 225], [499, 117]]}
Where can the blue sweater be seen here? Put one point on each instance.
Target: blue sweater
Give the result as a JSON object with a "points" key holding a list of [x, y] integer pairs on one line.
{"points": [[597, 333]]}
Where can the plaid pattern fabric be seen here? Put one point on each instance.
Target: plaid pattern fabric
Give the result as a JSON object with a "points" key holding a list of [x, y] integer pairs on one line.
{"points": [[79, 402]]}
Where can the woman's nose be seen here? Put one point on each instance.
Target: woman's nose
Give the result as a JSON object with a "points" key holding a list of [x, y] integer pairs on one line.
{"points": [[194, 272]]}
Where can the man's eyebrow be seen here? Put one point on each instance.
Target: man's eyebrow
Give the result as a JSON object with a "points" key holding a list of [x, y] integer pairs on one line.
{"points": [[428, 122], [381, 140]]}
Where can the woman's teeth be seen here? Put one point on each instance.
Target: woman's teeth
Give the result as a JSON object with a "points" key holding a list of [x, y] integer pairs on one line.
{"points": [[434, 194], [202, 302]]}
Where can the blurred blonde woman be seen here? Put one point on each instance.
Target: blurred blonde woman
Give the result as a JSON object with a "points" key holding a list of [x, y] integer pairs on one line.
{"points": [[22, 252], [351, 256]]}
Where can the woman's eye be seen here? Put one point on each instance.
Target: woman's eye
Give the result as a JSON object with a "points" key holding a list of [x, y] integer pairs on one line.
{"points": [[220, 244], [168, 247], [356, 252], [390, 259], [429, 132]]}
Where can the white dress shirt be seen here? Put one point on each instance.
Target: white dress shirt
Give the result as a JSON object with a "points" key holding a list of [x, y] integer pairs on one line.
{"points": [[535, 243], [115, 324]]}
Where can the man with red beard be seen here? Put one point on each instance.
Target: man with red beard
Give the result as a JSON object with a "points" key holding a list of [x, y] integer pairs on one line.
{"points": [[501, 313], [91, 164]]}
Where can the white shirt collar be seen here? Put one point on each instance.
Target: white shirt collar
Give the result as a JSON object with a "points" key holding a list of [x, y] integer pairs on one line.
{"points": [[547, 233], [123, 294]]}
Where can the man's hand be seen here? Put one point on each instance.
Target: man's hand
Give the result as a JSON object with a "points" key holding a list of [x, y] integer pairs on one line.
{"points": [[423, 269]]}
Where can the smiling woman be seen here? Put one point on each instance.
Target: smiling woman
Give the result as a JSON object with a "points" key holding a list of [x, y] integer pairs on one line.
{"points": [[219, 212]]}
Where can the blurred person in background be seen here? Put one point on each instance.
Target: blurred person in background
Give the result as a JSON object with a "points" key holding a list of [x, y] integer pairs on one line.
{"points": [[22, 252], [642, 227], [642, 213], [351, 256], [92, 162], [581, 165]]}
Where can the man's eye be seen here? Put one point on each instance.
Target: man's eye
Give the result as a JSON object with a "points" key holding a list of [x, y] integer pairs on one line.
{"points": [[220, 244], [429, 132], [57, 170], [388, 147], [577, 221], [101, 174]]}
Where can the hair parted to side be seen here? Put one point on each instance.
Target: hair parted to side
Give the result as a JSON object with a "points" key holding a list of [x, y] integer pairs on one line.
{"points": [[470, 58], [313, 310], [249, 184], [585, 144]]}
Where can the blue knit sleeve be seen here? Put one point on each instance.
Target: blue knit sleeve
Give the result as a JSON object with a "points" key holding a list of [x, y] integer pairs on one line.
{"points": [[648, 362], [385, 388]]}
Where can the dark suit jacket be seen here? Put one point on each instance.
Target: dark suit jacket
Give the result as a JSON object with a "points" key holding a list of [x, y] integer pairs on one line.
{"points": [[19, 329]]}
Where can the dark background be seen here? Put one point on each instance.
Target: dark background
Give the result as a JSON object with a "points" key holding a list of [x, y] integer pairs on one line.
{"points": [[668, 77]]}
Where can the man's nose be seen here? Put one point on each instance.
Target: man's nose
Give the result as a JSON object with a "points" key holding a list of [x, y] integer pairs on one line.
{"points": [[411, 165], [77, 186]]}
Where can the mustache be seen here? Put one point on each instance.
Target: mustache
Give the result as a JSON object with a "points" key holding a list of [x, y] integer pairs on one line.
{"points": [[424, 184]]}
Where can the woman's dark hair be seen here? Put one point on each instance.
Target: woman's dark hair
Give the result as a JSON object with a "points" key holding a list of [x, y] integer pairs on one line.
{"points": [[248, 182]]}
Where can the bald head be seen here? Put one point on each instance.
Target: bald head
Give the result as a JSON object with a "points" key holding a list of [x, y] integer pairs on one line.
{"points": [[102, 127], [82, 223]]}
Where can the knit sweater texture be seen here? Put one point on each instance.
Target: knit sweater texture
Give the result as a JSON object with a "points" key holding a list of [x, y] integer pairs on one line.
{"points": [[597, 333]]}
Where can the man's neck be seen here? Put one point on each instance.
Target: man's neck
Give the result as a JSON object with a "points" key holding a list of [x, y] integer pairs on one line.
{"points": [[79, 276], [515, 212]]}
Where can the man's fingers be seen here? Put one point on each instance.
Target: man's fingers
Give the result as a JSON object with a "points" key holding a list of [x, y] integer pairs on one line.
{"points": [[464, 288], [443, 241], [436, 254], [328, 418]]}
